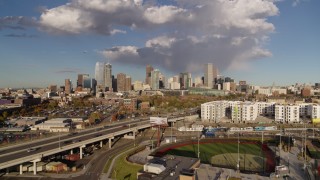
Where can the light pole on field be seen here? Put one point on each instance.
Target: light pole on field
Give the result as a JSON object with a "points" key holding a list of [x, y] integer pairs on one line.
{"points": [[238, 161]]}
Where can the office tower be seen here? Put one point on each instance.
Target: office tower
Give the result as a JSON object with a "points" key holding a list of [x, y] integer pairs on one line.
{"points": [[68, 86], [149, 69], [208, 75], [155, 79], [93, 85], [128, 83], [173, 83], [185, 80], [162, 81], [198, 82], [87, 82], [137, 86], [81, 78], [108, 77], [114, 84], [99, 74], [53, 88], [121, 82]]}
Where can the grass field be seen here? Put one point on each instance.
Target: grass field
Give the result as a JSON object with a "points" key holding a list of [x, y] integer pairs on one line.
{"points": [[124, 169], [225, 155]]}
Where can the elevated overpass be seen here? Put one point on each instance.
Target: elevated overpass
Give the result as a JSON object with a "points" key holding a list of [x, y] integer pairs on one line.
{"points": [[18, 156]]}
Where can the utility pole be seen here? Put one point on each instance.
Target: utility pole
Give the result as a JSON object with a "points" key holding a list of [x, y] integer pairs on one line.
{"points": [[171, 132], [289, 147], [198, 146], [238, 162], [280, 144], [59, 140], [305, 146]]}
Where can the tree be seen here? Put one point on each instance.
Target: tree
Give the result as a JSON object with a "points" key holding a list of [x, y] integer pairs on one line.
{"points": [[5, 114], [93, 117]]}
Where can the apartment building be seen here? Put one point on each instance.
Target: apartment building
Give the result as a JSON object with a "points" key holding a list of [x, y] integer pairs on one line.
{"points": [[266, 108], [315, 114], [305, 110], [287, 113], [213, 111], [244, 112]]}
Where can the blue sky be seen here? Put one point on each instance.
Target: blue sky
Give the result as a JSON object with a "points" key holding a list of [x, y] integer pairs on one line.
{"points": [[43, 42]]}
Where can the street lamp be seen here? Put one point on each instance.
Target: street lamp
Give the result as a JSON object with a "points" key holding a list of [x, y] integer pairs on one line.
{"points": [[289, 147], [305, 145], [198, 146], [238, 163], [59, 140]]}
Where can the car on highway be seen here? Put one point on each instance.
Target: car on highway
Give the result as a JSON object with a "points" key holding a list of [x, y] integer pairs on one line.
{"points": [[76, 140], [73, 133], [31, 149]]}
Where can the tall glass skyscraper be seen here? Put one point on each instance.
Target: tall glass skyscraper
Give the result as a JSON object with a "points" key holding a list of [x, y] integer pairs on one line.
{"points": [[155, 79], [99, 73], [108, 76]]}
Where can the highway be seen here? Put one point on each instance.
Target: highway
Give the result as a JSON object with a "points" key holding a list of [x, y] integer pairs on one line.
{"points": [[16, 152]]}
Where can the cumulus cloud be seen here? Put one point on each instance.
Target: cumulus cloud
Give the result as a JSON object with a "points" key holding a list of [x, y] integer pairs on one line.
{"points": [[229, 34]]}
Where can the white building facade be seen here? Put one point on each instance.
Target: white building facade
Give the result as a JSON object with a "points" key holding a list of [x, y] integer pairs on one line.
{"points": [[287, 113]]}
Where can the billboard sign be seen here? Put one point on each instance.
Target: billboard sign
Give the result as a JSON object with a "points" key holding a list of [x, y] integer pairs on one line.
{"points": [[158, 121]]}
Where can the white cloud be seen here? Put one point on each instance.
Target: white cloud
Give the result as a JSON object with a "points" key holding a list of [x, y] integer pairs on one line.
{"points": [[117, 31], [119, 52], [193, 32], [66, 19], [163, 14], [163, 41]]}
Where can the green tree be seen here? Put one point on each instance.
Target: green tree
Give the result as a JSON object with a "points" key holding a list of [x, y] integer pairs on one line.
{"points": [[93, 117], [5, 114]]}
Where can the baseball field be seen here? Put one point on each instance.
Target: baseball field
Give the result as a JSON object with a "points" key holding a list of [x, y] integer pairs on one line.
{"points": [[252, 155]]}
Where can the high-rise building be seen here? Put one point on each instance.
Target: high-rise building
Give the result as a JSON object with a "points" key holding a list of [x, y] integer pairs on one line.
{"points": [[162, 82], [155, 76], [185, 80], [208, 75], [149, 69], [121, 82], [68, 86], [198, 82], [99, 73], [81, 78], [53, 88], [108, 77], [128, 83], [87, 82], [173, 83], [137, 86]]}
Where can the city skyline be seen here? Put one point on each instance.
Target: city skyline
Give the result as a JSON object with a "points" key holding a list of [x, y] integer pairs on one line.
{"points": [[273, 42]]}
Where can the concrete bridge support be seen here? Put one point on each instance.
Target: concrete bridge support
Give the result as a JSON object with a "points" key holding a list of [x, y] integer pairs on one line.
{"points": [[110, 142], [81, 151], [20, 169], [101, 143], [35, 165]]}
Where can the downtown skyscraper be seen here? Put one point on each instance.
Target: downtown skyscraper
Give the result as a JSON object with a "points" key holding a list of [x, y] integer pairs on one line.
{"points": [[155, 78], [149, 69], [99, 74], [108, 77], [210, 74]]}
